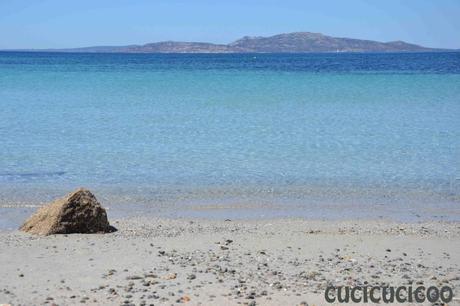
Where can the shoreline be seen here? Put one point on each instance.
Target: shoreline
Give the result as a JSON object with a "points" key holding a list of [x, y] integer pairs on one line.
{"points": [[253, 262], [220, 203]]}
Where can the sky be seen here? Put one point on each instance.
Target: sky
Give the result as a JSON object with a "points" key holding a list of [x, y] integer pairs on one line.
{"points": [[65, 23]]}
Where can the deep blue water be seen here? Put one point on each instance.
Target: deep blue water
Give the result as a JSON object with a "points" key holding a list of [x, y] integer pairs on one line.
{"points": [[394, 63], [310, 130]]}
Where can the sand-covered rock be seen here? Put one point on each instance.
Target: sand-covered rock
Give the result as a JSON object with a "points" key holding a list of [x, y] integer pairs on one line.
{"points": [[78, 212]]}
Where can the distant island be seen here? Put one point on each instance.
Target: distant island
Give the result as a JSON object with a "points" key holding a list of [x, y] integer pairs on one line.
{"points": [[298, 42]]}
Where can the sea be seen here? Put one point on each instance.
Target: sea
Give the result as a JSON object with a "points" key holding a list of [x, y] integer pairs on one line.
{"points": [[233, 136]]}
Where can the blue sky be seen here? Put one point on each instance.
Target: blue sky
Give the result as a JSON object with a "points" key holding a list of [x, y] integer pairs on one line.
{"points": [[61, 23]]}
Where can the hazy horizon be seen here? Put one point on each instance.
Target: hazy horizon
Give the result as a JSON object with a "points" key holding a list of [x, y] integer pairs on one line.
{"points": [[52, 24]]}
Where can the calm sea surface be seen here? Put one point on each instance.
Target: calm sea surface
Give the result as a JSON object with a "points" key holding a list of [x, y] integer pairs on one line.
{"points": [[265, 135]]}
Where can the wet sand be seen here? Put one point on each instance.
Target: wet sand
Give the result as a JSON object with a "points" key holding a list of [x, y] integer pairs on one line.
{"points": [[264, 262]]}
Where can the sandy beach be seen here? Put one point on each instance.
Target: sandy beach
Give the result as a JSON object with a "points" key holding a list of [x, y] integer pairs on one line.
{"points": [[238, 153], [152, 261]]}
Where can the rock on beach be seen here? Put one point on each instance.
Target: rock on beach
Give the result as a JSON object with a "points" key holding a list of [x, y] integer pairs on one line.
{"points": [[77, 212]]}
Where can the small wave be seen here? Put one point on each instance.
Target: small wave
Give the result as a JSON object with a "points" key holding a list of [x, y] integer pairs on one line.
{"points": [[19, 206], [31, 175], [12, 176]]}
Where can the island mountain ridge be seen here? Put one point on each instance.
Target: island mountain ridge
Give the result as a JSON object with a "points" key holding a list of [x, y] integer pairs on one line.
{"points": [[296, 42]]}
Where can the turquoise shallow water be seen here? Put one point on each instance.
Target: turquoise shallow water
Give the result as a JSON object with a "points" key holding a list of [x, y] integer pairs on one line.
{"points": [[234, 135]]}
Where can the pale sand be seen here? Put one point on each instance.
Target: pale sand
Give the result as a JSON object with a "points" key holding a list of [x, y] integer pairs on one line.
{"points": [[271, 262]]}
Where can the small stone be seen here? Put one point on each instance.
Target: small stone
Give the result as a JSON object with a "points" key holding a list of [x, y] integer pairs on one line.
{"points": [[170, 276], [134, 277]]}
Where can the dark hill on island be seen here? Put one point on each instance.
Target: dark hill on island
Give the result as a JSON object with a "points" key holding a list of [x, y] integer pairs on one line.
{"points": [[316, 42]]}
